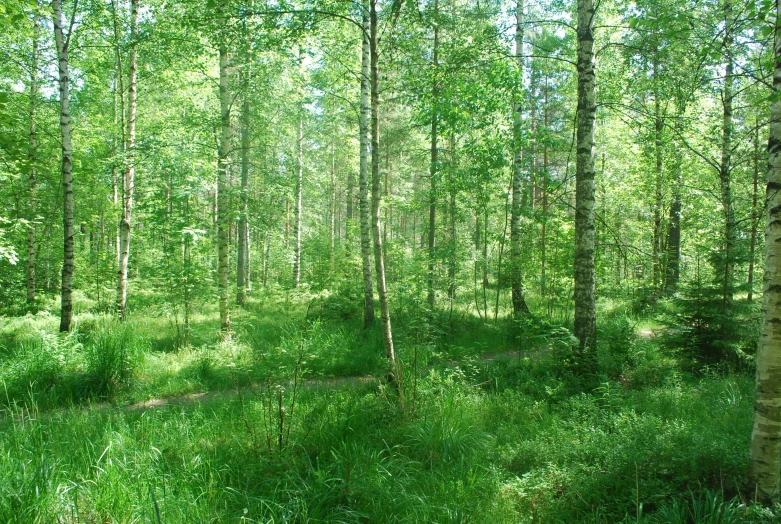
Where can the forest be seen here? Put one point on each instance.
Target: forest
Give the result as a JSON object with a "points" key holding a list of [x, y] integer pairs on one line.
{"points": [[492, 261]]}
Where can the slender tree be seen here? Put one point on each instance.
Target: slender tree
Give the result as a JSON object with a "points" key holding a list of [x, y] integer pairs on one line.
{"points": [[516, 278], [754, 215], [363, 176], [585, 299], [242, 257], [223, 183], [299, 201], [129, 174], [432, 202], [379, 258], [62, 42], [725, 167], [33, 159]]}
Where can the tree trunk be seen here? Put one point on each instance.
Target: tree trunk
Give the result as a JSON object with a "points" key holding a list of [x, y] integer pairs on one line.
{"points": [[129, 174], [299, 204], [332, 210], [516, 275], [432, 202], [765, 450], [242, 257], [725, 168], [754, 217], [33, 159], [674, 244], [544, 228], [452, 269], [62, 43], [363, 178], [379, 259], [223, 182], [658, 179], [585, 300]]}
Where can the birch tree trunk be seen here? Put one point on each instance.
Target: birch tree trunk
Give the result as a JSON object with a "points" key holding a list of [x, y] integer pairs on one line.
{"points": [[223, 182], [363, 176], [299, 204], [33, 159], [585, 300], [129, 174], [242, 258], [765, 451], [379, 259], [516, 276], [62, 42]]}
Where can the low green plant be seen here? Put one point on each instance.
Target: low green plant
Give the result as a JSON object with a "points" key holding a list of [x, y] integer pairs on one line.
{"points": [[111, 355]]}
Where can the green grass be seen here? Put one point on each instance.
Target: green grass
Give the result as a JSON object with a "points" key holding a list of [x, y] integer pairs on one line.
{"points": [[512, 439]]}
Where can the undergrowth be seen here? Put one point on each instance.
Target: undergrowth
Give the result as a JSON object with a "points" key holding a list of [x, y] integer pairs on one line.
{"points": [[492, 431]]}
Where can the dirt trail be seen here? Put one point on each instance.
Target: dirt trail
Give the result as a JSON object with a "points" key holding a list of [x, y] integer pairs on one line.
{"points": [[192, 398]]}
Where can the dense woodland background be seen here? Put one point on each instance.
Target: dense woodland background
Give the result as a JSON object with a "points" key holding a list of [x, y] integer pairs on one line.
{"points": [[569, 330]]}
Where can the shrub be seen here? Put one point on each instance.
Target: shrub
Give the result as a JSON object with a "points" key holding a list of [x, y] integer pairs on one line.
{"points": [[110, 355]]}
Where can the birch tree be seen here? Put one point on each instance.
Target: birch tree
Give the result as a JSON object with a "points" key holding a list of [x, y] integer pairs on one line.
{"points": [[585, 300], [32, 157], [516, 279], [765, 452], [223, 183], [129, 174], [62, 42]]}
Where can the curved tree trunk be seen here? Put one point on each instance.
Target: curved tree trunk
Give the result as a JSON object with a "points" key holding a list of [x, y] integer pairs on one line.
{"points": [[765, 450], [379, 259], [585, 300], [129, 175], [62, 43], [516, 276], [363, 177]]}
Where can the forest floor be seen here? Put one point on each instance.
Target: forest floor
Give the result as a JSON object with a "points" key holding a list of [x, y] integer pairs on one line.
{"points": [[290, 422]]}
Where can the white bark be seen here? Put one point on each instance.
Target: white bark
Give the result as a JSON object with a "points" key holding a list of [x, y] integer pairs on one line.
{"points": [[765, 451], [585, 300], [129, 175], [62, 42]]}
